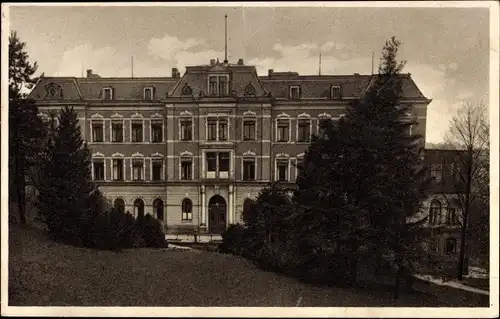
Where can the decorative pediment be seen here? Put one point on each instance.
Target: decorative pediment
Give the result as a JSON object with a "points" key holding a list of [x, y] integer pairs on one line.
{"points": [[186, 153], [324, 116], [283, 115], [186, 113], [117, 155], [249, 153], [96, 115], [137, 115], [97, 154], [53, 91], [116, 115], [157, 115], [156, 155], [249, 113], [304, 115], [217, 68], [137, 154], [186, 90], [282, 155]]}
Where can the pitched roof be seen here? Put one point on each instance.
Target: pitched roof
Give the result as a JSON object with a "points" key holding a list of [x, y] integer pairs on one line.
{"points": [[244, 81]]}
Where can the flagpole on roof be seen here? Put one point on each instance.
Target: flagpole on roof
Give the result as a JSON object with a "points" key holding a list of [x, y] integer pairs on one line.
{"points": [[373, 58]]}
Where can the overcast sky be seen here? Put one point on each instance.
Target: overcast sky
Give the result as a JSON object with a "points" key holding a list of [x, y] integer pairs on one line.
{"points": [[447, 49]]}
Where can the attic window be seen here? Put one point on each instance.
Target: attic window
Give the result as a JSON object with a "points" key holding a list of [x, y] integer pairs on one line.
{"points": [[107, 94], [294, 92], [218, 85], [148, 93], [186, 90], [335, 92]]}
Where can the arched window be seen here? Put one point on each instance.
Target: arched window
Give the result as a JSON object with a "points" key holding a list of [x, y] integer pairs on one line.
{"points": [[158, 208], [451, 245], [247, 205], [187, 209], [435, 212], [119, 205], [138, 207]]}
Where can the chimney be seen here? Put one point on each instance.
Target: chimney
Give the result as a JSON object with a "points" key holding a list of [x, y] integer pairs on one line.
{"points": [[89, 73], [270, 72], [240, 61], [175, 73], [212, 61], [356, 73]]}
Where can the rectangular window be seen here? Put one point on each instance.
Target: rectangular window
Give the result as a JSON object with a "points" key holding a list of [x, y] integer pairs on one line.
{"points": [[436, 172], [186, 169], [97, 131], [156, 131], [222, 129], [118, 169], [282, 167], [304, 131], [223, 86], [298, 165], [212, 129], [117, 131], [186, 130], [148, 94], [212, 85], [294, 92], [283, 130], [321, 126], [99, 170], [248, 169], [157, 169], [335, 93], [249, 130], [107, 94], [212, 162], [223, 162], [137, 131], [138, 170]]}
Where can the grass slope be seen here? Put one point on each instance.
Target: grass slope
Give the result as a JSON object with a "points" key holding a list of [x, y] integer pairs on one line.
{"points": [[45, 273]]}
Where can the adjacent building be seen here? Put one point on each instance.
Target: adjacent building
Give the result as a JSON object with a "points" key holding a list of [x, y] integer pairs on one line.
{"points": [[191, 149]]}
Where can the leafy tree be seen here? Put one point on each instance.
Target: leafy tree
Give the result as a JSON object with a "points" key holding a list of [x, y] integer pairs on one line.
{"points": [[66, 187], [469, 133], [386, 164], [26, 130]]}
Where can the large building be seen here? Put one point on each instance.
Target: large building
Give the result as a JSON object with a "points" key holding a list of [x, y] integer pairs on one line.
{"points": [[191, 149]]}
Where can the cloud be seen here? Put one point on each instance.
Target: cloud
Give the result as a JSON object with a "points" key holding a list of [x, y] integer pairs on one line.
{"points": [[168, 47]]}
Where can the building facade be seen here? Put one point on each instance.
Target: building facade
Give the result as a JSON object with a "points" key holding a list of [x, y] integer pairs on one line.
{"points": [[443, 206], [191, 149]]}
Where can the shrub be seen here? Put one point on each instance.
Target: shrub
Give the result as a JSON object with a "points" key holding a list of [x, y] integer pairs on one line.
{"points": [[152, 232]]}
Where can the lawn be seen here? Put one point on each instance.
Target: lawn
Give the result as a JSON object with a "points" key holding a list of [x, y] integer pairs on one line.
{"points": [[44, 273]]}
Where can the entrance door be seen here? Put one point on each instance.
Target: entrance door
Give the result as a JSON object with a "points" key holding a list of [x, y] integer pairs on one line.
{"points": [[217, 211]]}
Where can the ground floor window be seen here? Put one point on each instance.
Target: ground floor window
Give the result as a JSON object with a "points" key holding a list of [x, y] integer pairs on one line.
{"points": [[451, 246], [187, 209]]}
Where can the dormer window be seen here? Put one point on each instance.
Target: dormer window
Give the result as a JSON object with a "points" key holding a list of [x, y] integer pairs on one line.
{"points": [[295, 92], [218, 85], [107, 94], [335, 92], [148, 94]]}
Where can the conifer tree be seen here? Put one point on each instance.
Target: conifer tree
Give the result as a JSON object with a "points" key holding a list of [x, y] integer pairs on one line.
{"points": [[386, 164], [26, 130], [66, 185]]}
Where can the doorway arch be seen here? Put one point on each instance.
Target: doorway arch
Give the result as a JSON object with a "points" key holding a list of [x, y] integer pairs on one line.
{"points": [[217, 214]]}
